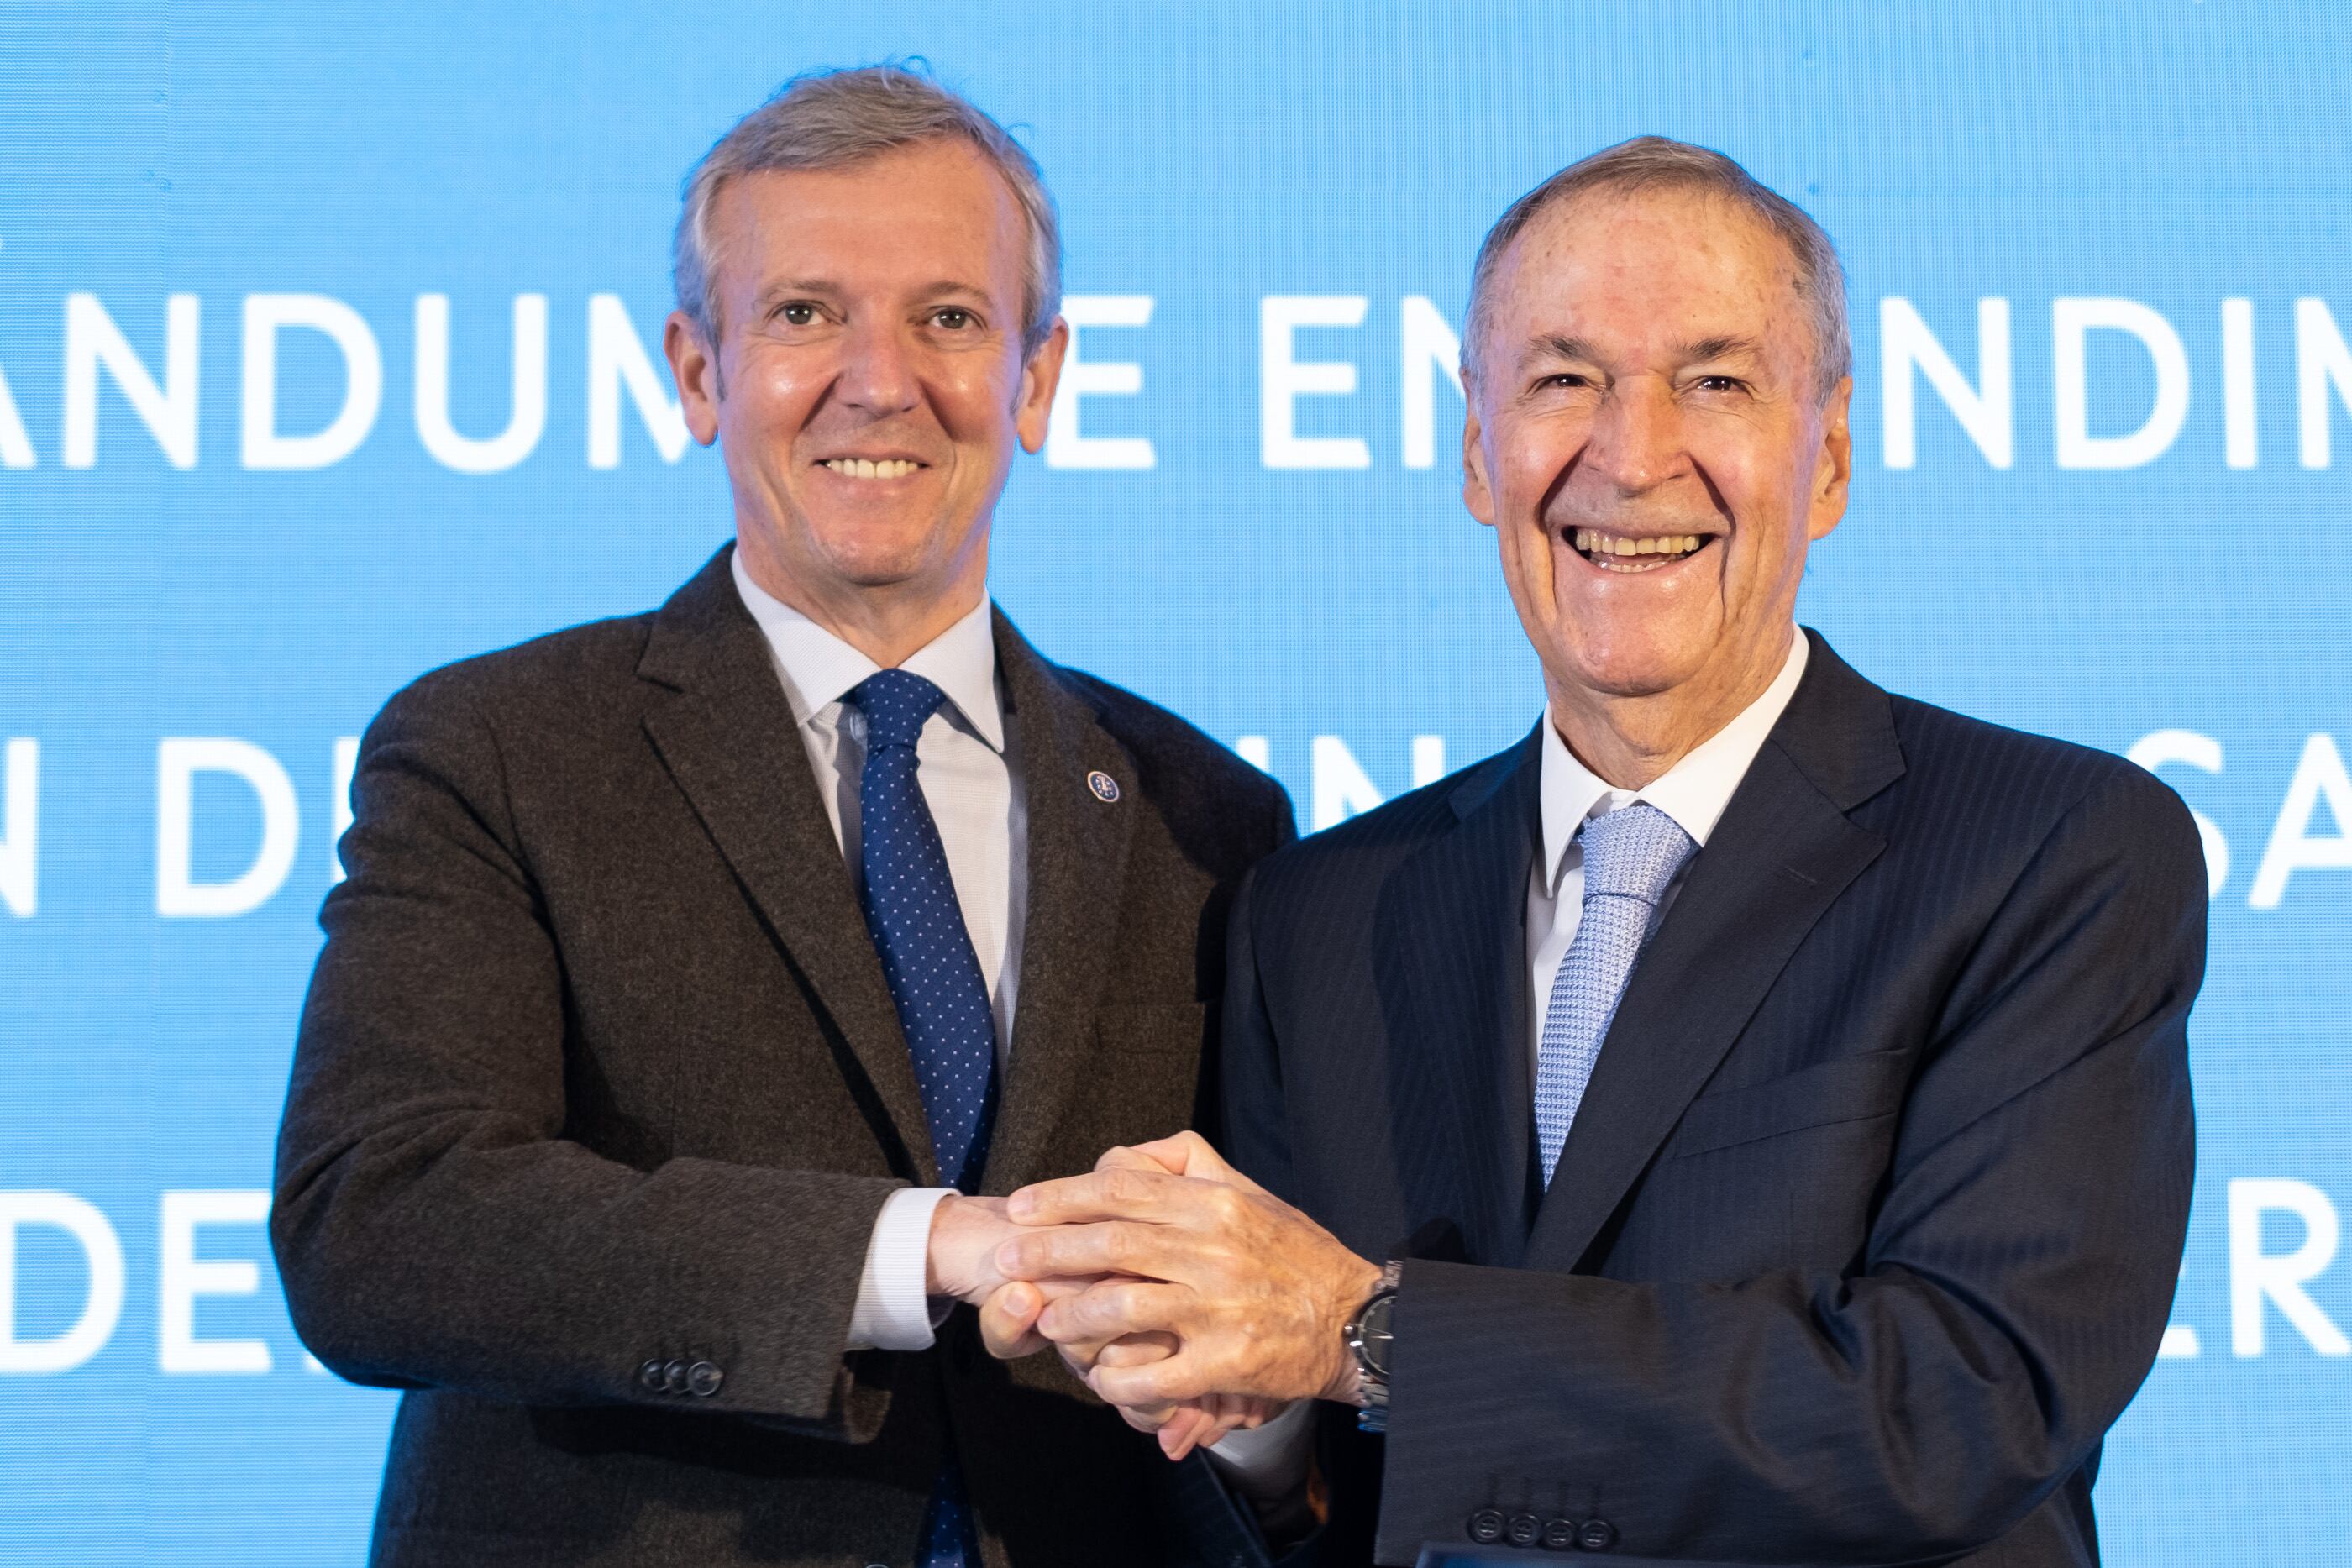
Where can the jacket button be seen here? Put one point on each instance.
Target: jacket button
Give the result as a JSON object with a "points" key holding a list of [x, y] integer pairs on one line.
{"points": [[1522, 1529], [1486, 1526], [703, 1378], [674, 1376], [1559, 1535], [650, 1375], [1598, 1536]]}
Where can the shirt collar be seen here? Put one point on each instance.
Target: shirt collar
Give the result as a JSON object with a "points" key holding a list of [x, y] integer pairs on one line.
{"points": [[819, 669], [1694, 791]]}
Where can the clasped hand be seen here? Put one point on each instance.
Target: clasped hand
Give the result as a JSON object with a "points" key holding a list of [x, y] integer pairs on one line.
{"points": [[1179, 1290]]}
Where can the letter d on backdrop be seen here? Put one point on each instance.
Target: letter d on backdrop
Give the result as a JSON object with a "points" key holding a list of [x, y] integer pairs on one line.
{"points": [[266, 316], [2071, 323], [102, 1307], [177, 891]]}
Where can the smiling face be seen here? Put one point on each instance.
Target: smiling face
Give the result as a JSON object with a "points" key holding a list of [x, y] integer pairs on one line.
{"points": [[1647, 438], [867, 385]]}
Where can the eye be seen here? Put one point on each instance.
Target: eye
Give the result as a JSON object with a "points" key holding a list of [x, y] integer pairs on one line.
{"points": [[797, 313], [953, 317], [1564, 381], [1721, 383]]}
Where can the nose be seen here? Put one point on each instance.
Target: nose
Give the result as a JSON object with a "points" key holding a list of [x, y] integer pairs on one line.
{"points": [[877, 375], [1635, 443]]}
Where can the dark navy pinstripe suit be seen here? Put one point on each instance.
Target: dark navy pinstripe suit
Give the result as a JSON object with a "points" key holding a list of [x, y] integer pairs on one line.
{"points": [[1868, 1226]]}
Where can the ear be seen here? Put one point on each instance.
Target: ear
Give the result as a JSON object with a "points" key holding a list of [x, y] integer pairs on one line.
{"points": [[1039, 377], [1833, 467], [1476, 493], [694, 366]]}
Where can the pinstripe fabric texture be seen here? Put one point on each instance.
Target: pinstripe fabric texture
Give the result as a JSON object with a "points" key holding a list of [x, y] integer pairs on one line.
{"points": [[1869, 1219], [1630, 856]]}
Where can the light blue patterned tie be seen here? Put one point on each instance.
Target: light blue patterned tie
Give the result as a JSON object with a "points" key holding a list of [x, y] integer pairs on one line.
{"points": [[935, 978], [1630, 857]]}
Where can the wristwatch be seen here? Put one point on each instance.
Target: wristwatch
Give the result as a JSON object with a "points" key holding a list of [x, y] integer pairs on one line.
{"points": [[1369, 1338]]}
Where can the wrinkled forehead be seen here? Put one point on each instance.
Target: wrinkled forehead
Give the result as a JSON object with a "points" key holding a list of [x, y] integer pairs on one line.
{"points": [[1634, 272]]}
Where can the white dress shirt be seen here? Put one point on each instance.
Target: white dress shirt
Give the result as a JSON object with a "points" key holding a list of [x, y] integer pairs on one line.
{"points": [[971, 778], [1268, 1466], [1694, 792]]}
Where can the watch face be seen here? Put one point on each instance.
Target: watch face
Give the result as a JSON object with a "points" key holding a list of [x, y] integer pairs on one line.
{"points": [[1374, 1329]]}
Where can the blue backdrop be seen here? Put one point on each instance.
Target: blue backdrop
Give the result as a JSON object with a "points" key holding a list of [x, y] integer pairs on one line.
{"points": [[2101, 293]]}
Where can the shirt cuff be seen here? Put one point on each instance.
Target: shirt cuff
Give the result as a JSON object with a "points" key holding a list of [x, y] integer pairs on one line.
{"points": [[1267, 1464], [892, 1311]]}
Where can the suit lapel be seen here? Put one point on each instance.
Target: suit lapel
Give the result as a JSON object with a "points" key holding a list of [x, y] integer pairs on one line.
{"points": [[1078, 845], [725, 731], [1450, 934], [1782, 854]]}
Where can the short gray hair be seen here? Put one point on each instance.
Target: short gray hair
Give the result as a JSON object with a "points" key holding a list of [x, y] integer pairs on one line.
{"points": [[1655, 162], [829, 120]]}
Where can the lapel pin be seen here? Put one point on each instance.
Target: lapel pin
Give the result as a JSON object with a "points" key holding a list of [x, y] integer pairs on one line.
{"points": [[1105, 787]]}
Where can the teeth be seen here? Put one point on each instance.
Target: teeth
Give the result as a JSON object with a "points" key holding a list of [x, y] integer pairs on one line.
{"points": [[1594, 543], [866, 468]]}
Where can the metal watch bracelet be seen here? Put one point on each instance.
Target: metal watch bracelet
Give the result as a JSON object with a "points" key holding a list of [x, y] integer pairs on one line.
{"points": [[1368, 1337]]}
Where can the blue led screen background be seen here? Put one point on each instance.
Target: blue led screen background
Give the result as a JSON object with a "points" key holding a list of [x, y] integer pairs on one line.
{"points": [[330, 352]]}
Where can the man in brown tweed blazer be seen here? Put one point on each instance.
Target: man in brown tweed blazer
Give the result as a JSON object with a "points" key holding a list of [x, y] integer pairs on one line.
{"points": [[606, 1138]]}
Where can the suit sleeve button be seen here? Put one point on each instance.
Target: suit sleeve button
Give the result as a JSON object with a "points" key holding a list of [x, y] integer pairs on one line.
{"points": [[674, 1376], [703, 1378], [1522, 1530], [1598, 1536], [1559, 1535], [1486, 1526], [649, 1375]]}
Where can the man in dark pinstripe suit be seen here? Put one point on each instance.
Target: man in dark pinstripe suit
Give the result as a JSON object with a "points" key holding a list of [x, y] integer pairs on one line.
{"points": [[1862, 1230]]}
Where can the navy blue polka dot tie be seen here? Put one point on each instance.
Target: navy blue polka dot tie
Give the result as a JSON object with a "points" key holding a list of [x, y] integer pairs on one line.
{"points": [[935, 980]]}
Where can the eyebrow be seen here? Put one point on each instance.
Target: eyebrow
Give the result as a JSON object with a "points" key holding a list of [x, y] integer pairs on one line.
{"points": [[1721, 347], [781, 289], [786, 288], [949, 286], [1557, 346]]}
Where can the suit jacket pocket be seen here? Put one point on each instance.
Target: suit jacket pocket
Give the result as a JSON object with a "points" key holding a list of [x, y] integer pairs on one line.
{"points": [[1848, 1088]]}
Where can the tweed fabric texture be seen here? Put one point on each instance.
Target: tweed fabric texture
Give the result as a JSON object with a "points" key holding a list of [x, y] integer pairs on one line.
{"points": [[599, 1071], [1630, 857]]}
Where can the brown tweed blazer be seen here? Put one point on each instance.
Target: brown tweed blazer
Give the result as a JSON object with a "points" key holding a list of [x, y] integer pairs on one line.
{"points": [[600, 1089]]}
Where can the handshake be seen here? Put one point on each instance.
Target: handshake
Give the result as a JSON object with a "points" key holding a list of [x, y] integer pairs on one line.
{"points": [[1179, 1290]]}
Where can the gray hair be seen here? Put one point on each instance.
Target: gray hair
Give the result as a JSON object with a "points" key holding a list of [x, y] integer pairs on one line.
{"points": [[1651, 162], [828, 120]]}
